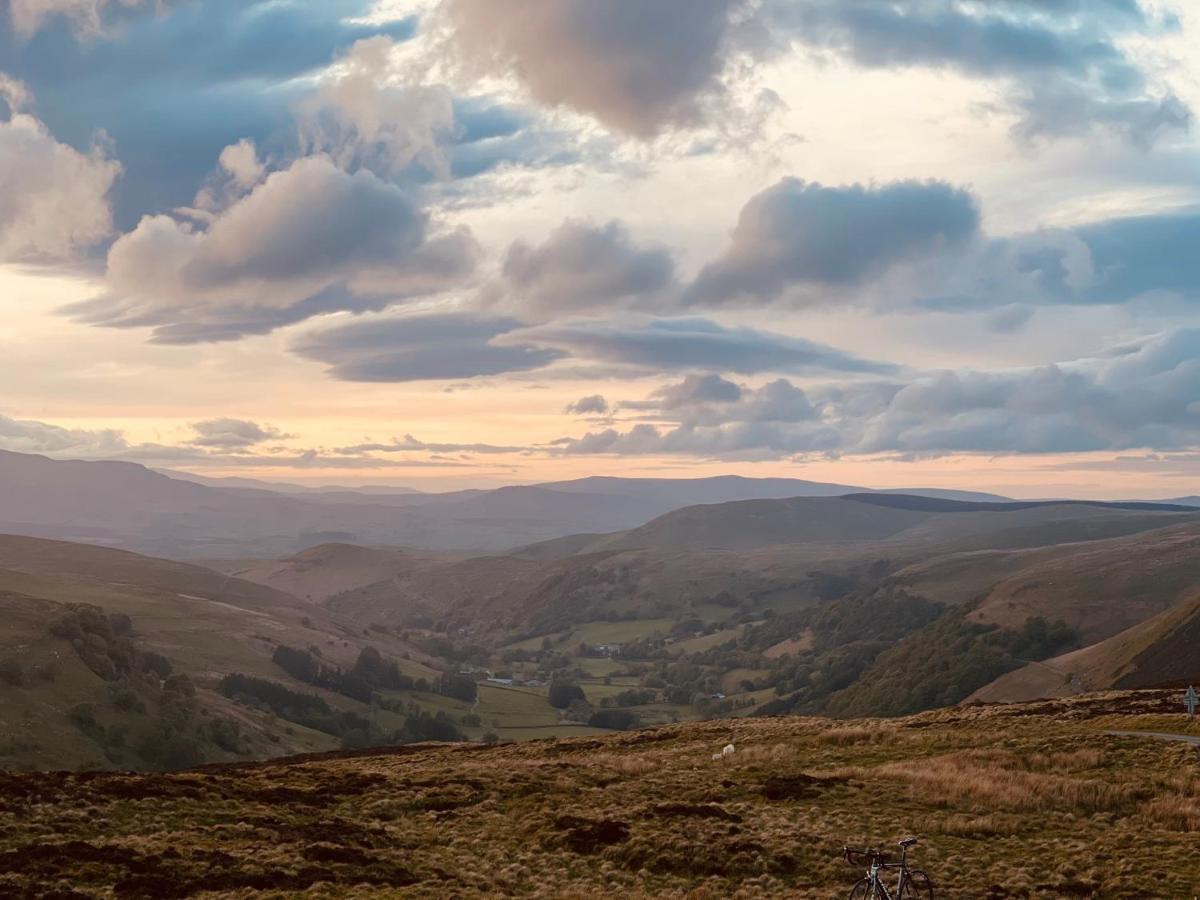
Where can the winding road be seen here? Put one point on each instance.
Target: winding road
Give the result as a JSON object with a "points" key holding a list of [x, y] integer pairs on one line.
{"points": [[1160, 735]]}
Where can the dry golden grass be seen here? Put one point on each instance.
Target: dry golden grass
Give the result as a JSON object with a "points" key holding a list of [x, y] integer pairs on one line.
{"points": [[874, 733], [1175, 813], [1029, 802]]}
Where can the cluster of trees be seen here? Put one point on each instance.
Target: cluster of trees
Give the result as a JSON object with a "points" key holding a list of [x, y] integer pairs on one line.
{"points": [[370, 674], [152, 718], [314, 712], [105, 644], [616, 719], [164, 731]]}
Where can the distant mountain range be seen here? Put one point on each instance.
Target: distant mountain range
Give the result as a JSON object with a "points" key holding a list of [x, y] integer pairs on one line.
{"points": [[126, 505]]}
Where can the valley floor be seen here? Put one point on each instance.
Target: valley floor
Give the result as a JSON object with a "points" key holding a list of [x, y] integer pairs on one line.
{"points": [[1033, 800]]}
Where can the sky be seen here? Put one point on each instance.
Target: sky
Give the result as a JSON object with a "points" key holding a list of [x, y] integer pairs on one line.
{"points": [[452, 243]]}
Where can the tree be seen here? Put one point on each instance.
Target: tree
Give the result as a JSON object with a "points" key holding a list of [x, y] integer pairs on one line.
{"points": [[616, 719], [563, 692], [460, 687]]}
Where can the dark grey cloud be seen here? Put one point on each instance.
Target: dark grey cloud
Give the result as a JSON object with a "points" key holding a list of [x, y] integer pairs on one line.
{"points": [[592, 405], [1064, 58], [1137, 255], [234, 434], [584, 268], [693, 343], [1137, 396], [309, 239], [422, 347], [798, 234], [1106, 262], [697, 389], [638, 67]]}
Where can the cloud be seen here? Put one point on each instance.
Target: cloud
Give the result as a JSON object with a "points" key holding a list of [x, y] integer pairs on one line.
{"points": [[692, 343], [584, 268], [798, 234], [27, 436], [234, 434], [1065, 59], [221, 443], [640, 68], [1134, 397], [645, 68], [361, 118], [241, 163], [592, 405], [309, 239], [194, 76], [421, 347], [86, 16], [1111, 261], [410, 444], [53, 199], [698, 389]]}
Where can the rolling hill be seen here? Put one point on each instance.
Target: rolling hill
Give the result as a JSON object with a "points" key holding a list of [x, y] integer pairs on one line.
{"points": [[1156, 652], [93, 638], [896, 518], [129, 506]]}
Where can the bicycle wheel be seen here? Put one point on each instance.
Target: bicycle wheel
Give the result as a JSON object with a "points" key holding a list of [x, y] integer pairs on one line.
{"points": [[864, 890], [917, 886]]}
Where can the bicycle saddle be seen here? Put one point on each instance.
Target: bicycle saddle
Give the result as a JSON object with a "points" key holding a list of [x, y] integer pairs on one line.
{"points": [[908, 842]]}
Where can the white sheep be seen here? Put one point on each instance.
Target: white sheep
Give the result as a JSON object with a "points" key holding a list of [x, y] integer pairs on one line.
{"points": [[727, 750], [717, 757]]}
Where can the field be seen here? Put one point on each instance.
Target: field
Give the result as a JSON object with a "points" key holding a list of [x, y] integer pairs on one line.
{"points": [[1034, 800]]}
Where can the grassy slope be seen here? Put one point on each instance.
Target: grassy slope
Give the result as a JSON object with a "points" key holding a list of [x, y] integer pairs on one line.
{"points": [[1159, 650], [1035, 800], [206, 624], [320, 572], [1100, 588]]}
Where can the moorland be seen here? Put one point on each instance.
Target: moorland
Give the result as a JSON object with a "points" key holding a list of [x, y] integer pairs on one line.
{"points": [[1029, 800]]}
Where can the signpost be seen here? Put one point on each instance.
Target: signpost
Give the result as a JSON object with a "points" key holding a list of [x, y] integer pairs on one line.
{"points": [[1190, 700]]}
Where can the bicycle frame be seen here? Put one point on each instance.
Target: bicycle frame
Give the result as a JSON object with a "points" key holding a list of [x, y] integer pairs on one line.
{"points": [[877, 884]]}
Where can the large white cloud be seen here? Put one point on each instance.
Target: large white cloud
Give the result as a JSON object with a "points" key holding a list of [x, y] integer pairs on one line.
{"points": [[364, 117], [53, 198]]}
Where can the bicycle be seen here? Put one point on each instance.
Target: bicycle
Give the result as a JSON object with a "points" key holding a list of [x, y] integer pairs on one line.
{"points": [[911, 884]]}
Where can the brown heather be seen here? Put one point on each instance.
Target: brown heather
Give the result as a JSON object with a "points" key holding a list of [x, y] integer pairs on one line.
{"points": [[1032, 801]]}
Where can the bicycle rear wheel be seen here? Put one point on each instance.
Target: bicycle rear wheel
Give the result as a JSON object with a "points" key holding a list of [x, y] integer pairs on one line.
{"points": [[865, 890], [917, 886]]}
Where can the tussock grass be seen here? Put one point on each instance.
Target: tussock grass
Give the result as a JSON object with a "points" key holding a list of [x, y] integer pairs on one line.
{"points": [[859, 734], [1174, 813], [1008, 781], [1036, 799], [980, 826]]}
